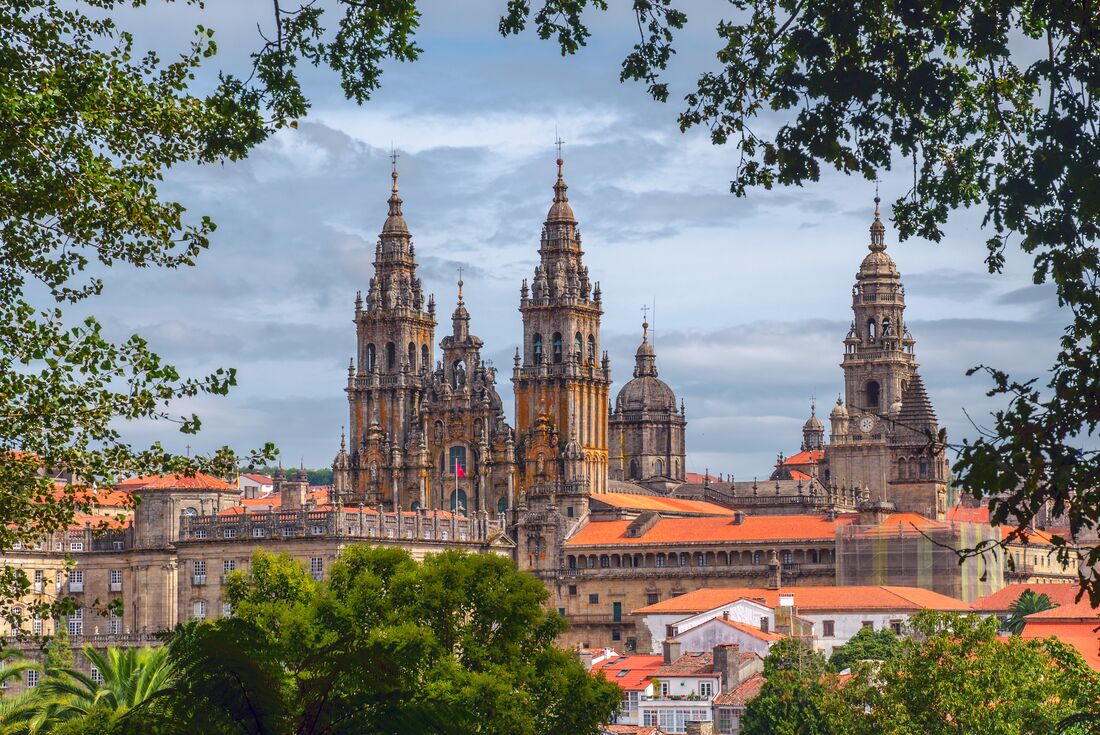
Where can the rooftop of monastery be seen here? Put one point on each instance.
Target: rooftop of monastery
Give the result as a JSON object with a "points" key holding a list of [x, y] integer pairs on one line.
{"points": [[660, 503], [711, 530], [810, 599]]}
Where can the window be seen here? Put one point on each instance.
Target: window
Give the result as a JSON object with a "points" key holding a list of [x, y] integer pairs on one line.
{"points": [[502, 506], [425, 358], [391, 356], [593, 599], [457, 458], [872, 391], [200, 533], [229, 565], [652, 598], [828, 628], [412, 357], [75, 624], [114, 623], [660, 560], [227, 610], [923, 467], [199, 610], [605, 562], [561, 611], [756, 557], [578, 346], [458, 501], [568, 511], [659, 468], [664, 688], [683, 559], [635, 472], [190, 512], [592, 349], [869, 624], [114, 578], [32, 679], [872, 331], [536, 348], [258, 532], [616, 634], [317, 567], [76, 546], [198, 572], [895, 625], [229, 533], [36, 625], [617, 612], [700, 559], [557, 347], [95, 676], [706, 689], [371, 358], [76, 580], [572, 590]]}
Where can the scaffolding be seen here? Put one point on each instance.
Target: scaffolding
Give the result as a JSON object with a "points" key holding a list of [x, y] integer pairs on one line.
{"points": [[920, 554]]}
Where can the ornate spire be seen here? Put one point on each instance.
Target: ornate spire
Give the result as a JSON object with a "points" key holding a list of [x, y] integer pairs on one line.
{"points": [[461, 318], [560, 211], [878, 230], [395, 222], [645, 359]]}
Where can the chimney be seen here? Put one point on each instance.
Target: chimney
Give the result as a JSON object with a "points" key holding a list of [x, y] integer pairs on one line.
{"points": [[725, 615], [671, 650], [585, 657], [698, 727], [726, 662], [738, 518]]}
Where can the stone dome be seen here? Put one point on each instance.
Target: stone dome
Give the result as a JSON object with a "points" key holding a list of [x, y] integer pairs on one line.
{"points": [[813, 423], [646, 391], [560, 211], [839, 412]]}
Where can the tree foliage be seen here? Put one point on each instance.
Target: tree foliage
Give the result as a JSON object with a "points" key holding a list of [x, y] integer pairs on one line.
{"points": [[791, 700], [866, 645], [956, 675], [455, 644], [991, 105]]}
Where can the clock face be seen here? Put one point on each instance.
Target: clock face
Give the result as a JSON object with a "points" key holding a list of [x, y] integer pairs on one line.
{"points": [[866, 424]]}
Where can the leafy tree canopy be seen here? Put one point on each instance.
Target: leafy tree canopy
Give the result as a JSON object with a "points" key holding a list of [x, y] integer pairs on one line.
{"points": [[866, 645], [791, 701], [454, 644]]}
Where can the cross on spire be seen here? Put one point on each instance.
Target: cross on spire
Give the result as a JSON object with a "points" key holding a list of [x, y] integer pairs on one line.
{"points": [[645, 312], [558, 142], [394, 155]]}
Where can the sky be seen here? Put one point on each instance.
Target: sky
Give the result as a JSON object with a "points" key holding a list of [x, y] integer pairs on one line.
{"points": [[750, 297]]}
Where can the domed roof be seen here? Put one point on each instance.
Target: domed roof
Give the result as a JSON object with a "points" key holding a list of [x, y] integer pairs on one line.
{"points": [[395, 221], [813, 423], [646, 391], [560, 211], [839, 412], [877, 262]]}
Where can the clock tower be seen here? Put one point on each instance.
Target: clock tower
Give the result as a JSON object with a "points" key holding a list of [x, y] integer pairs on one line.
{"points": [[886, 440]]}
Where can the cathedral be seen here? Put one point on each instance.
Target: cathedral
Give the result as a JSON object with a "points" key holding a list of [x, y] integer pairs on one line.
{"points": [[431, 433]]}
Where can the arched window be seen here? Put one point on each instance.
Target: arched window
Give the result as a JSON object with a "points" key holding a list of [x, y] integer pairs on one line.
{"points": [[578, 346], [572, 560], [815, 557], [605, 562], [872, 391], [458, 501], [557, 347], [458, 374], [592, 349], [635, 474], [502, 505], [659, 468], [787, 557], [425, 358], [923, 467], [415, 505], [700, 559], [872, 331], [885, 327], [660, 561], [683, 558], [412, 357], [903, 469], [536, 348], [456, 458], [370, 358], [756, 557], [391, 356]]}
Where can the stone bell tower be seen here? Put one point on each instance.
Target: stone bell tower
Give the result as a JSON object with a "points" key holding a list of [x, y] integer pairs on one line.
{"points": [[885, 440], [561, 378], [395, 331]]}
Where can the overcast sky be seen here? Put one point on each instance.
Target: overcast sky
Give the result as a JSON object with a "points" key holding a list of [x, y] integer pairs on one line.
{"points": [[752, 295]]}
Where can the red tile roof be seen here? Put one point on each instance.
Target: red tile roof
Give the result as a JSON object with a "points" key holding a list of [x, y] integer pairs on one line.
{"points": [[752, 630], [258, 478], [690, 664], [661, 504], [698, 478], [745, 692], [810, 599], [800, 475], [103, 497], [1081, 635], [1071, 610], [630, 730], [811, 457], [638, 670], [961, 513], [99, 522], [999, 601], [200, 481], [687, 530]]}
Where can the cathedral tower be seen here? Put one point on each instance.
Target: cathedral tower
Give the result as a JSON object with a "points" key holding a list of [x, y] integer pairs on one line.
{"points": [[562, 378], [394, 334], [884, 441], [647, 428]]}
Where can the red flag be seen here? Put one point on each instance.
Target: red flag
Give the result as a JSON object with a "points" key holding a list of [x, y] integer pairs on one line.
{"points": [[458, 469]]}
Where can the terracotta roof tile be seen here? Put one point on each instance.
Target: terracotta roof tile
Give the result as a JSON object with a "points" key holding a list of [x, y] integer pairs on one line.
{"points": [[200, 481], [1081, 635], [999, 601], [745, 692], [698, 478], [809, 599], [258, 478], [969, 515], [638, 670], [660, 503], [810, 457], [690, 664], [686, 530], [752, 630]]}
